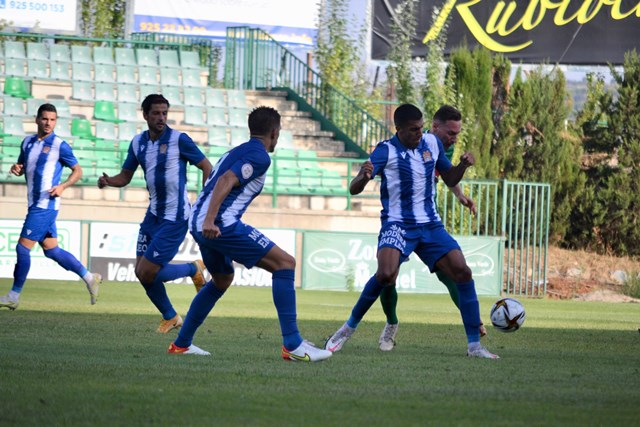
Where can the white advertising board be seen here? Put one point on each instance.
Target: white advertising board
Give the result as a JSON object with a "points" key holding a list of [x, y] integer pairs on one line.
{"points": [[52, 15]]}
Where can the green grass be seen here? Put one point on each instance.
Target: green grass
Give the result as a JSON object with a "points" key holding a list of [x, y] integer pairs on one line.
{"points": [[64, 362]]}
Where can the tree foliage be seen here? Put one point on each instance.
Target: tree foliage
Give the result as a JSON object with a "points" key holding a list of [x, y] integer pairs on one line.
{"points": [[103, 18], [400, 72]]}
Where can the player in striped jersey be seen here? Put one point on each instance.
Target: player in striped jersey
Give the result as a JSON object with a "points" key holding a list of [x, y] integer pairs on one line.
{"points": [[410, 222], [163, 154], [216, 225], [41, 160]]}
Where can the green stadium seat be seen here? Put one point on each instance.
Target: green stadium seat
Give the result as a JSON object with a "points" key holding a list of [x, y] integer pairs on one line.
{"points": [[81, 128], [173, 94], [128, 112], [59, 53], [216, 116], [127, 130], [103, 73], [13, 126], [236, 99], [107, 145], [125, 56], [103, 55], [238, 117], [105, 111], [38, 69], [147, 58], [146, 89], [214, 151], [191, 78], [106, 130], [63, 127], [189, 59], [148, 75], [82, 91], [127, 93], [332, 181], [288, 180], [81, 72], [126, 74], [59, 70], [214, 97], [218, 136], [169, 76], [307, 159], [13, 107], [104, 92], [15, 67], [194, 116], [168, 59], [62, 106], [13, 49], [33, 104], [239, 136], [16, 86], [37, 51], [81, 54], [311, 180], [285, 158], [193, 97]]}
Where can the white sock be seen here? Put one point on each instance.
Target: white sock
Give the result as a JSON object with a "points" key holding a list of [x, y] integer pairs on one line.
{"points": [[474, 345], [88, 278], [13, 295]]}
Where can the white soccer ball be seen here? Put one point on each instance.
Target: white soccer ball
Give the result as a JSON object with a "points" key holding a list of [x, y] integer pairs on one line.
{"points": [[507, 315]]}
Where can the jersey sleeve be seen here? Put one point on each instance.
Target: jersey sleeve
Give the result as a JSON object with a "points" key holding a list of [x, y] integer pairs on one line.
{"points": [[379, 158], [443, 164], [21, 156], [189, 150], [67, 158], [131, 162], [253, 164]]}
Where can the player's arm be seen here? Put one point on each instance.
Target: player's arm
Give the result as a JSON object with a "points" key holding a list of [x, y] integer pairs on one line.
{"points": [[76, 174], [221, 190], [17, 169], [463, 199], [360, 181], [120, 180], [205, 166], [452, 176]]}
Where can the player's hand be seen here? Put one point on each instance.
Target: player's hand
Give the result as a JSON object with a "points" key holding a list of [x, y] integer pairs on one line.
{"points": [[467, 160], [56, 191], [17, 169], [366, 169], [210, 230], [468, 202], [103, 181]]}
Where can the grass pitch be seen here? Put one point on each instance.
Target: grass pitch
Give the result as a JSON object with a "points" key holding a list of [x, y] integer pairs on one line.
{"points": [[65, 362]]}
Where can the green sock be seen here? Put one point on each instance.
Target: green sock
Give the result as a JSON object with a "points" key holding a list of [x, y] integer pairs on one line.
{"points": [[389, 301], [451, 286]]}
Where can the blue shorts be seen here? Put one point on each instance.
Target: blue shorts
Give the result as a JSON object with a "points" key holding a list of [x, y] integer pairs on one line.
{"points": [[40, 224], [159, 239], [429, 241], [239, 242]]}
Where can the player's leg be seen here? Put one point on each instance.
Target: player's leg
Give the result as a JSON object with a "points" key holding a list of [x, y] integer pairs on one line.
{"points": [[20, 272]]}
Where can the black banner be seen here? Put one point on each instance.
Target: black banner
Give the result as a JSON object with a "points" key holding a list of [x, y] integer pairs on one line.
{"points": [[579, 32]]}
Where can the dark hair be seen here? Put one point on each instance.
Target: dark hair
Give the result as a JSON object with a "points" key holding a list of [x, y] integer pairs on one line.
{"points": [[46, 107], [154, 98], [262, 120], [406, 113], [446, 113]]}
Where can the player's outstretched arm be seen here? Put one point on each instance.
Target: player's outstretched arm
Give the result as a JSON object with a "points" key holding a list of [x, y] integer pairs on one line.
{"points": [[120, 180], [360, 181]]}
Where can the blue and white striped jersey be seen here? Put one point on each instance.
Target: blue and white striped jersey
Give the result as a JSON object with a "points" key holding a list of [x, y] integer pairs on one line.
{"points": [[43, 162], [249, 162], [407, 189], [164, 163]]}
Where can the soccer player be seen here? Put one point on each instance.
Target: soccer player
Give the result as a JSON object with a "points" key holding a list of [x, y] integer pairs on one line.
{"points": [[41, 160], [410, 222], [162, 153], [216, 226], [446, 126]]}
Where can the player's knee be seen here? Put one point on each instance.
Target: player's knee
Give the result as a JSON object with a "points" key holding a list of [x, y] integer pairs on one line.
{"points": [[386, 278], [462, 274], [287, 263], [145, 276]]}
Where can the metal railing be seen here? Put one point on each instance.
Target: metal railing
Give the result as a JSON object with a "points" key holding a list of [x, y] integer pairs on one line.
{"points": [[255, 61]]}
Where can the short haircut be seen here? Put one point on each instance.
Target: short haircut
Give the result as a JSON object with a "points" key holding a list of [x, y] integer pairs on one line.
{"points": [[46, 107], [262, 120], [446, 113], [406, 113], [154, 98]]}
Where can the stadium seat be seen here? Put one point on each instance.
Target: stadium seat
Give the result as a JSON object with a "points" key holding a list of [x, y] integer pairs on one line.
{"points": [[236, 99], [104, 92], [126, 74], [285, 159], [37, 51], [189, 59], [216, 116], [148, 90], [311, 180], [127, 130], [59, 70], [81, 128], [103, 73], [33, 104], [38, 69], [81, 72], [106, 145], [10, 150], [15, 67], [168, 59], [82, 91], [60, 53], [194, 116], [239, 136], [238, 117], [106, 130], [13, 49], [173, 94], [307, 159], [13, 107], [128, 112], [218, 136], [125, 56], [214, 97], [103, 55], [16, 86], [127, 93], [62, 106], [191, 78], [13, 126], [332, 181], [148, 75], [81, 54], [287, 180], [63, 127], [147, 58], [286, 139], [105, 111], [170, 76], [193, 97]]}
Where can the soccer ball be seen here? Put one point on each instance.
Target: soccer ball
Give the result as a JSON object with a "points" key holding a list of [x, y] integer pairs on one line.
{"points": [[507, 315]]}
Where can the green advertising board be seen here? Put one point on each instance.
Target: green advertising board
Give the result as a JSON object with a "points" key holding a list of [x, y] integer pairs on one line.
{"points": [[346, 261]]}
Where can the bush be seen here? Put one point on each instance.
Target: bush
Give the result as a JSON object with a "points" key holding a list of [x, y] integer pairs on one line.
{"points": [[631, 286]]}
